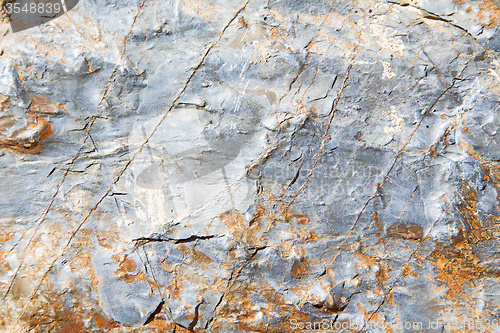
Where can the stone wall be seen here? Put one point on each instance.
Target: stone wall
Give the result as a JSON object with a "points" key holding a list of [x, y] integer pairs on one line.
{"points": [[258, 166]]}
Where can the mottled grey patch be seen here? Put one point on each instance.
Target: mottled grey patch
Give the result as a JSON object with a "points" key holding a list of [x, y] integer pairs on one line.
{"points": [[223, 143], [152, 177], [129, 303], [493, 43]]}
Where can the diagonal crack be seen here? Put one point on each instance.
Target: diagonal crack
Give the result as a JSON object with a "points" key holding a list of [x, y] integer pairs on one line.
{"points": [[433, 16], [271, 148], [88, 127], [109, 191], [426, 236], [232, 279], [333, 110], [398, 155], [429, 109], [400, 275]]}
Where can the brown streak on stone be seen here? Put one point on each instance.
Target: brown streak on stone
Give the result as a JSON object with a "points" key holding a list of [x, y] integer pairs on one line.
{"points": [[299, 267], [377, 221], [102, 322], [408, 231], [469, 150], [234, 223]]}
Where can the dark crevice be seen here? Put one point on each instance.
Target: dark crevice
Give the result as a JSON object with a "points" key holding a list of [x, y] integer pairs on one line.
{"points": [[154, 313], [296, 174], [195, 319], [256, 250], [145, 240]]}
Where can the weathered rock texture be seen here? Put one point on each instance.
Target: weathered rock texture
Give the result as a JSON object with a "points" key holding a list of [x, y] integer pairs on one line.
{"points": [[231, 166]]}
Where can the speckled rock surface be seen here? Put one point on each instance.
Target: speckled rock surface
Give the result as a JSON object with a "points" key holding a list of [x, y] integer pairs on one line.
{"points": [[252, 166]]}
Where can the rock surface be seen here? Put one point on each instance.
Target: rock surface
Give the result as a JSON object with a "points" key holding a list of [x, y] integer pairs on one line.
{"points": [[251, 166]]}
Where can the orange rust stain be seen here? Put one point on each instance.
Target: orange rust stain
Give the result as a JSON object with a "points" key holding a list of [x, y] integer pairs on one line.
{"points": [[234, 222], [190, 317], [376, 219], [194, 255], [252, 237], [48, 132], [73, 324], [163, 324], [241, 21], [374, 317], [308, 235], [232, 254], [299, 267], [469, 150], [202, 258], [432, 152], [167, 267], [381, 276], [408, 231], [299, 291], [191, 276], [408, 271], [127, 266], [123, 274], [390, 298], [254, 227], [83, 260], [6, 236], [291, 216], [286, 245], [240, 312], [22, 287], [4, 102], [28, 140], [4, 265], [102, 322], [184, 248], [363, 311], [364, 259], [176, 285], [107, 239], [468, 211], [488, 14], [42, 105], [492, 11], [51, 315], [85, 239], [219, 285], [175, 289], [457, 266]]}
